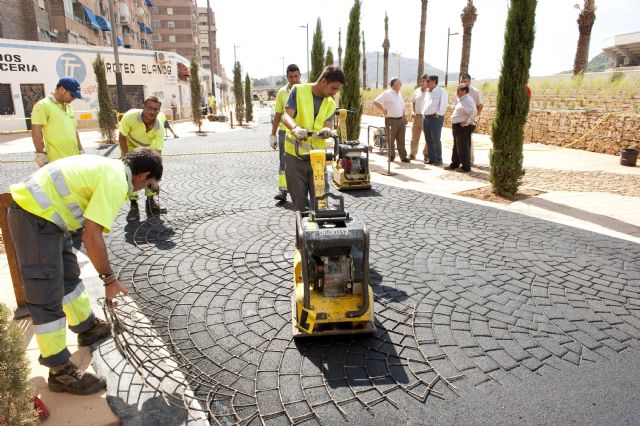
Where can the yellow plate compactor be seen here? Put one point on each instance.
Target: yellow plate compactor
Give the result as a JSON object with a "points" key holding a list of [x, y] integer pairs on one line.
{"points": [[331, 289], [351, 159]]}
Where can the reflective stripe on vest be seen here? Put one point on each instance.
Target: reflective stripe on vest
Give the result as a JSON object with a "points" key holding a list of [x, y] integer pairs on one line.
{"points": [[63, 190]]}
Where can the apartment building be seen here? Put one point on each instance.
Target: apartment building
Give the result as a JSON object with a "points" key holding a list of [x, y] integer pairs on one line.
{"points": [[175, 27], [85, 22], [203, 34]]}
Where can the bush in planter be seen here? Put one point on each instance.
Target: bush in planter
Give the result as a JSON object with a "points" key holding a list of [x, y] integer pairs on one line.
{"points": [[16, 406]]}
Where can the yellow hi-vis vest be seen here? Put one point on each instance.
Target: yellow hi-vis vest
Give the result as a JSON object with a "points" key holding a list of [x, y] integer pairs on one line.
{"points": [[304, 118], [67, 191]]}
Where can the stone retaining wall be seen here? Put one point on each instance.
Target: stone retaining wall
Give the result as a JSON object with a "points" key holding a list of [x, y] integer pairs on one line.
{"points": [[617, 130]]}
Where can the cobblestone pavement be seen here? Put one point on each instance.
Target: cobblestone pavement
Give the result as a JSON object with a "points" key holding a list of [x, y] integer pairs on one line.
{"points": [[564, 180], [468, 298]]}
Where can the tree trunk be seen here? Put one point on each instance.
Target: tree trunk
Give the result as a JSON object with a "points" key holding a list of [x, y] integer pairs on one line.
{"points": [[364, 63], [423, 25], [585, 21], [385, 55], [468, 18]]}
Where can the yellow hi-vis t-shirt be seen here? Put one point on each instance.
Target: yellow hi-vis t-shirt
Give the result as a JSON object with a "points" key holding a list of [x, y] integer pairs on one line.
{"points": [[58, 128], [132, 127], [281, 101], [94, 189]]}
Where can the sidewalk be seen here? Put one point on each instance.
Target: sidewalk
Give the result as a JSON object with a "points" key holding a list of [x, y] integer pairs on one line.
{"points": [[582, 189]]}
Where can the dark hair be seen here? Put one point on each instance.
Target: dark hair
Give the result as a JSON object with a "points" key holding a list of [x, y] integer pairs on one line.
{"points": [[393, 81], [142, 160], [464, 87], [433, 77], [425, 76], [152, 99], [332, 74], [292, 68]]}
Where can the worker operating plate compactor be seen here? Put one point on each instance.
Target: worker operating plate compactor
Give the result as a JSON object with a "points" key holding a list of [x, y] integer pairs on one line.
{"points": [[351, 159], [331, 289]]}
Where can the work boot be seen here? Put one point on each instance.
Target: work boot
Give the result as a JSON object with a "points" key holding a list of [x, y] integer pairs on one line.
{"points": [[153, 208], [134, 212], [67, 378], [99, 330], [281, 196]]}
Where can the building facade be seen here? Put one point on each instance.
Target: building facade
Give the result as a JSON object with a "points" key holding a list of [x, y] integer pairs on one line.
{"points": [[203, 34], [175, 27], [85, 22], [29, 70]]}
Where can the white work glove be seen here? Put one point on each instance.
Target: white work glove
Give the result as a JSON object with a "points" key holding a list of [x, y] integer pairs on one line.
{"points": [[41, 159], [324, 133], [273, 141], [300, 133]]}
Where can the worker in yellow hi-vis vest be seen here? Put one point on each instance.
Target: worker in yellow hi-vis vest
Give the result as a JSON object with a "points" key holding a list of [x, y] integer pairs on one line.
{"points": [[142, 128], [60, 197], [293, 77], [310, 107]]}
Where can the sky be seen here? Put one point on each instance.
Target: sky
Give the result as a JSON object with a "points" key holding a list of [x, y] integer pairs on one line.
{"points": [[265, 32]]}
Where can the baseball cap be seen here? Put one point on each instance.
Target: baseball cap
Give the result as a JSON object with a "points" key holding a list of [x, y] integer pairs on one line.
{"points": [[72, 85], [465, 75]]}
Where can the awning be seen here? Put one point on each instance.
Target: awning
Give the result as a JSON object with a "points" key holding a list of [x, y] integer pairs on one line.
{"points": [[91, 18], [148, 3], [183, 70], [119, 42], [148, 30], [104, 24]]}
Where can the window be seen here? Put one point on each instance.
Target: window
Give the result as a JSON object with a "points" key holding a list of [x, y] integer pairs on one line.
{"points": [[156, 23], [172, 39], [169, 11], [157, 37], [171, 24], [6, 100], [68, 7]]}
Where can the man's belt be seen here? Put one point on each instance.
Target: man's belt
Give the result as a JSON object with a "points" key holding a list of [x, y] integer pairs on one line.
{"points": [[433, 115], [394, 118]]}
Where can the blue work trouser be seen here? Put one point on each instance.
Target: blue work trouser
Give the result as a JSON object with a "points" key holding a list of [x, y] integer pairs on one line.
{"points": [[54, 293], [432, 130]]}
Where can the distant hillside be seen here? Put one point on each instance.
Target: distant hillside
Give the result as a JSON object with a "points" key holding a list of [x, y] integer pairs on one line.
{"points": [[598, 63], [405, 68]]}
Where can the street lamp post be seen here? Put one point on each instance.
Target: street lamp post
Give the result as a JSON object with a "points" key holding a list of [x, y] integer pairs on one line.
{"points": [[212, 56], [284, 75], [122, 107], [308, 69], [446, 72], [377, 67]]}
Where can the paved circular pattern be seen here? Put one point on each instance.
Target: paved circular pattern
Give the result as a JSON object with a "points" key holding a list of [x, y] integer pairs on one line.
{"points": [[466, 298]]}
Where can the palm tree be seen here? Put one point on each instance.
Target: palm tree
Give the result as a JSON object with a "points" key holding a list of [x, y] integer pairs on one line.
{"points": [[586, 18], [364, 63], [340, 47], [385, 55], [423, 24], [468, 18]]}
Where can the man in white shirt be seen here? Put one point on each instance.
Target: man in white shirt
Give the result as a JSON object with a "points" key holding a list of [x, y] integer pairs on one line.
{"points": [[391, 103], [435, 105], [465, 78], [462, 119], [417, 103]]}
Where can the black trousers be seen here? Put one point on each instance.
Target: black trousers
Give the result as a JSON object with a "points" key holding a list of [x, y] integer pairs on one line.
{"points": [[461, 153]]}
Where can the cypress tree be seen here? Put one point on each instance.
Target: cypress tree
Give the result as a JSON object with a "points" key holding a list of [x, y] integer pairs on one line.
{"points": [[317, 53], [328, 60], [364, 64], [106, 117], [16, 407], [512, 102], [350, 97], [247, 98], [385, 52], [238, 92], [196, 95]]}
